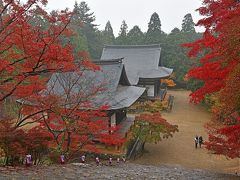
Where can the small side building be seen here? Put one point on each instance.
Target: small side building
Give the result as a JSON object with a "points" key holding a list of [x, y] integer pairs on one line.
{"points": [[143, 65]]}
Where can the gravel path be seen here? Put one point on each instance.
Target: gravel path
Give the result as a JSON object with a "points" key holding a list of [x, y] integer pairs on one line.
{"points": [[180, 150], [123, 171]]}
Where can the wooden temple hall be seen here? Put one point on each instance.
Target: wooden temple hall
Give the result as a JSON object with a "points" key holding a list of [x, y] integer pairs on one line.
{"points": [[117, 92], [127, 74], [143, 66]]}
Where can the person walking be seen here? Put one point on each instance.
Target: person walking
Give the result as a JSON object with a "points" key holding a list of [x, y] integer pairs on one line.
{"points": [[83, 158], [124, 159], [200, 141], [118, 160], [62, 159], [97, 161], [196, 141], [28, 160], [110, 161]]}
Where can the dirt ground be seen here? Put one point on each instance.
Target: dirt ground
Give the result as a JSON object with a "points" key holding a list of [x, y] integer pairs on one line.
{"points": [[180, 149], [121, 171]]}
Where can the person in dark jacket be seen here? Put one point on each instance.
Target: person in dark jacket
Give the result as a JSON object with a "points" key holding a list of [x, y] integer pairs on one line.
{"points": [[196, 141], [200, 141]]}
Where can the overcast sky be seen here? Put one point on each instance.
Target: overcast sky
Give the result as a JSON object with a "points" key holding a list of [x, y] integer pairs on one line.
{"points": [[136, 12]]}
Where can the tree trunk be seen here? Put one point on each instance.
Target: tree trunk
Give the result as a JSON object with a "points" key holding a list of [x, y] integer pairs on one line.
{"points": [[143, 146]]}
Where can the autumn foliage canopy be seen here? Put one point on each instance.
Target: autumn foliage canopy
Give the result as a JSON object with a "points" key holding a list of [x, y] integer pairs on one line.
{"points": [[219, 69], [153, 128], [30, 52]]}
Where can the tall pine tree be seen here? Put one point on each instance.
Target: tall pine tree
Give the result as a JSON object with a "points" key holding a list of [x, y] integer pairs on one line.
{"points": [[83, 23], [135, 36], [82, 14], [122, 36], [154, 32], [175, 31], [188, 24], [107, 34]]}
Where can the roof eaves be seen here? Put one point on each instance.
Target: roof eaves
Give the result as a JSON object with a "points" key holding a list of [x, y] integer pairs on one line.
{"points": [[108, 61], [133, 46]]}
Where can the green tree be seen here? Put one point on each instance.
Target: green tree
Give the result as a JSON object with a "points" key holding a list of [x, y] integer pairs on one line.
{"points": [[122, 35], [82, 14], [152, 128], [83, 23], [135, 36], [79, 43], [173, 55], [107, 34], [175, 31], [154, 32], [188, 24]]}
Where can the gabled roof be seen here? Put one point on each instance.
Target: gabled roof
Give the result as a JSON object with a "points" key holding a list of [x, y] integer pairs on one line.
{"points": [[107, 81], [138, 60], [112, 65]]}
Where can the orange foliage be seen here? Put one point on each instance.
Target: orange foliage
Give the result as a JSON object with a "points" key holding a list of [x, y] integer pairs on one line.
{"points": [[168, 82]]}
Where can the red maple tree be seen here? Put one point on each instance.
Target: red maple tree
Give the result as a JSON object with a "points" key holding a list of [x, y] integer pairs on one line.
{"points": [[29, 54], [219, 69], [16, 143], [27, 51]]}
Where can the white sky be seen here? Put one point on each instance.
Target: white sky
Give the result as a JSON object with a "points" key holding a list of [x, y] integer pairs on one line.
{"points": [[136, 12]]}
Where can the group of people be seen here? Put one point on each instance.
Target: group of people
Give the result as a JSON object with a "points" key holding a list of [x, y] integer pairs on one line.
{"points": [[97, 160], [110, 160], [198, 141], [28, 160]]}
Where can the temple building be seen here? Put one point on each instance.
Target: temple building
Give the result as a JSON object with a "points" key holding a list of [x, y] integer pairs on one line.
{"points": [[143, 65], [109, 87]]}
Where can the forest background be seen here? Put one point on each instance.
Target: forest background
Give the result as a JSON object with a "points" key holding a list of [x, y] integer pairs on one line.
{"points": [[92, 39]]}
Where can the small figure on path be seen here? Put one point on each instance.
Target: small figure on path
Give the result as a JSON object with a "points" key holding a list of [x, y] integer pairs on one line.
{"points": [[200, 141], [97, 161], [83, 158], [196, 141], [62, 159], [123, 159], [118, 160], [28, 160], [110, 161]]}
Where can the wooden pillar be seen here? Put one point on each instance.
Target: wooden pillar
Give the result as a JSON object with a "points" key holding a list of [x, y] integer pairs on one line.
{"points": [[156, 87]]}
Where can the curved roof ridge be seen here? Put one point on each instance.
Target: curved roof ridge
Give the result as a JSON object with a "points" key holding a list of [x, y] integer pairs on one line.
{"points": [[124, 74], [133, 46]]}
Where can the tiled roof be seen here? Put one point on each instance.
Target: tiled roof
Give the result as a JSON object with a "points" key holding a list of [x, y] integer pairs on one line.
{"points": [[106, 80], [138, 60]]}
